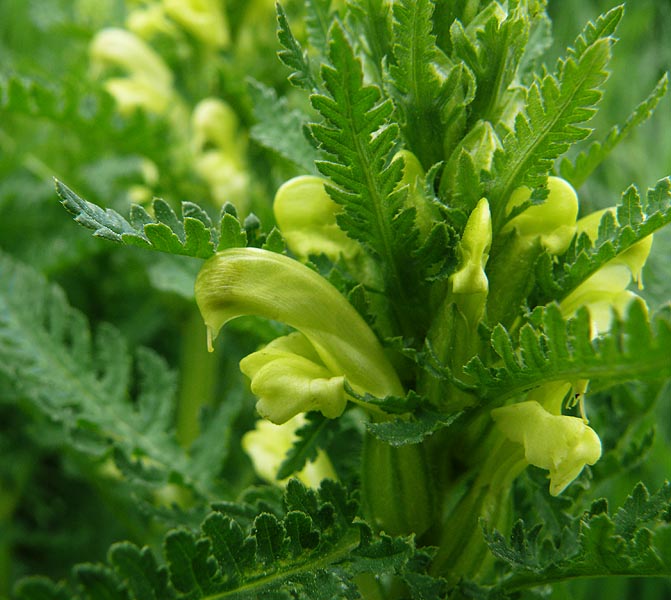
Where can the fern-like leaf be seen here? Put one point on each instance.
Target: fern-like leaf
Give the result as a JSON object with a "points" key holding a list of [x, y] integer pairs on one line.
{"points": [[280, 129], [358, 139], [87, 111], [420, 93], [293, 55], [583, 258], [556, 107], [190, 234], [82, 384], [635, 542], [577, 171], [312, 551], [551, 348]]}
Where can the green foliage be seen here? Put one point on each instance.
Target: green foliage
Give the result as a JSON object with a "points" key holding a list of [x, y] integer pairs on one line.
{"points": [[280, 129], [556, 106], [117, 424], [312, 551], [632, 541], [551, 348], [584, 164], [190, 234], [62, 372], [637, 221]]}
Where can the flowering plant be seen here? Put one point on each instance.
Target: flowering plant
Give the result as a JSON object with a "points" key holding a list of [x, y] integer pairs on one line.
{"points": [[411, 361]]}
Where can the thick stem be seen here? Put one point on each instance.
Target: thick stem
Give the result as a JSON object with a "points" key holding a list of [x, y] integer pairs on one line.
{"points": [[398, 489], [463, 550]]}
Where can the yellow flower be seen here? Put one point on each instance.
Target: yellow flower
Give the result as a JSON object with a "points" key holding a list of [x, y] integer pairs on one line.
{"points": [[561, 444], [149, 81], [604, 293], [336, 343], [203, 19], [306, 215], [267, 445], [288, 377], [552, 221]]}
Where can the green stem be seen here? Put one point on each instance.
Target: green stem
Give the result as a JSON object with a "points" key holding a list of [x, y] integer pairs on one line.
{"points": [[462, 550], [198, 379]]}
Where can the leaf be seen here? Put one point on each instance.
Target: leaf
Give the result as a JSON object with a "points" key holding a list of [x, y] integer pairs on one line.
{"points": [[292, 55], [556, 106], [551, 348], [357, 138], [90, 112], [313, 435], [280, 129], [583, 259], [412, 429], [190, 234], [313, 551], [492, 51], [419, 90], [533, 559], [62, 372], [576, 172]]}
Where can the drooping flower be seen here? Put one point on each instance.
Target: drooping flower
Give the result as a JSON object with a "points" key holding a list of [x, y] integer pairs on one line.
{"points": [[559, 443], [336, 344]]}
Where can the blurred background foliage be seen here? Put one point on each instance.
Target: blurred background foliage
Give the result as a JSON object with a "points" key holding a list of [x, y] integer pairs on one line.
{"points": [[47, 500]]}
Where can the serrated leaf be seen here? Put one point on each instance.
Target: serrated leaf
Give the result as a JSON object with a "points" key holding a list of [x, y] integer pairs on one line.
{"points": [[280, 129], [358, 138], [188, 236], [139, 572], [583, 258], [578, 171], [413, 429], [552, 348], [556, 106], [292, 55], [46, 350]]}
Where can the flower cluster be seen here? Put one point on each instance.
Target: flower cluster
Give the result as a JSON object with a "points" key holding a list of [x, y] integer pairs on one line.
{"points": [[207, 137]]}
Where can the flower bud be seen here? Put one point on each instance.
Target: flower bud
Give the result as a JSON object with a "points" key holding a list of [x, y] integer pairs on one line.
{"points": [[553, 221], [561, 444], [204, 19], [267, 445], [470, 278], [481, 142], [413, 177], [306, 215]]}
